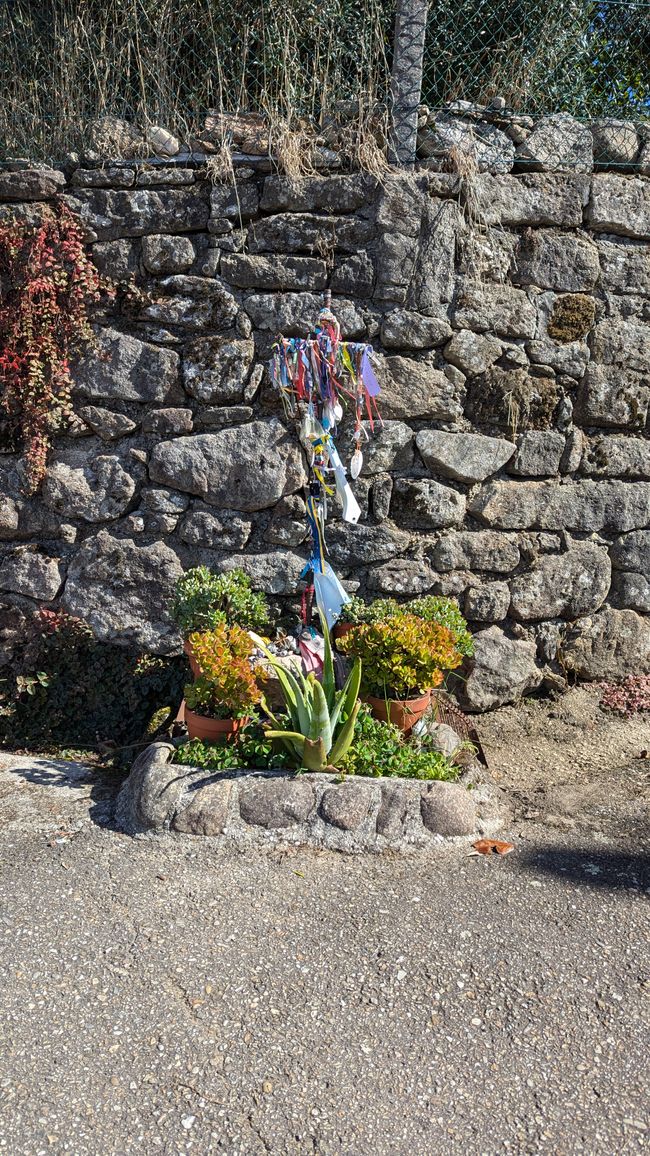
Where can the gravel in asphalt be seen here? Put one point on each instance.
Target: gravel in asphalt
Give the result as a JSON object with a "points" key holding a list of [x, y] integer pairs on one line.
{"points": [[162, 995]]}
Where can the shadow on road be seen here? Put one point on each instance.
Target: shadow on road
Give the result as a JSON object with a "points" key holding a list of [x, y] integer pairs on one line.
{"points": [[614, 869], [97, 785]]}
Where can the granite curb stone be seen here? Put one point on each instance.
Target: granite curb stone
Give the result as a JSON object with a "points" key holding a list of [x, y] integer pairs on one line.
{"points": [[322, 810]]}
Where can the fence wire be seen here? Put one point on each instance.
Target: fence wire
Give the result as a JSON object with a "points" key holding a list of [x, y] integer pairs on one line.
{"points": [[65, 63], [585, 57], [493, 69], [302, 64]]}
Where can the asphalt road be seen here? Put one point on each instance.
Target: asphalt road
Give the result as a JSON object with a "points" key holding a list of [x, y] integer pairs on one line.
{"points": [[164, 996]]}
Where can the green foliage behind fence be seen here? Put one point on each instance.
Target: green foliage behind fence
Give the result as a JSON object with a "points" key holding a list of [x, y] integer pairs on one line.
{"points": [[579, 56], [64, 62]]}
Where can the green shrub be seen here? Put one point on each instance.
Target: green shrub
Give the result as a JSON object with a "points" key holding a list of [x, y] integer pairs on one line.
{"points": [[226, 687], [72, 689], [402, 657], [203, 600], [380, 610], [380, 748], [446, 612], [431, 608]]}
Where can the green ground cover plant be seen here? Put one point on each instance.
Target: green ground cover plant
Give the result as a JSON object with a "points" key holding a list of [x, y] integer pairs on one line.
{"points": [[69, 689], [377, 749], [252, 749], [380, 749]]}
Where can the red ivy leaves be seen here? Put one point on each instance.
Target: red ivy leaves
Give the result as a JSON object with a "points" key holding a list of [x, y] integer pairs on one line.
{"points": [[43, 321]]}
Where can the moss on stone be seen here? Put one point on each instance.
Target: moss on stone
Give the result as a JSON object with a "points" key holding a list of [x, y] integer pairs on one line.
{"points": [[572, 317]]}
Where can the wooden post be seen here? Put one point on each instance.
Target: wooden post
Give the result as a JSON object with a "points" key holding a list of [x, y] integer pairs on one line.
{"points": [[406, 79]]}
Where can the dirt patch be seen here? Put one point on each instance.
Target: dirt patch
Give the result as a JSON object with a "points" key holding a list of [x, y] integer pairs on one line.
{"points": [[571, 765]]}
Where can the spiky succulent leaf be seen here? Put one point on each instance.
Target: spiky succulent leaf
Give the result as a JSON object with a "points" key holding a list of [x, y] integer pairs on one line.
{"points": [[321, 726], [293, 741], [347, 697], [345, 736], [314, 755], [328, 676]]}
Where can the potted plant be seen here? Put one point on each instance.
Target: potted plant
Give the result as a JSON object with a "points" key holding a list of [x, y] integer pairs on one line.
{"points": [[322, 718], [225, 693], [446, 612], [203, 601], [356, 611], [403, 659]]}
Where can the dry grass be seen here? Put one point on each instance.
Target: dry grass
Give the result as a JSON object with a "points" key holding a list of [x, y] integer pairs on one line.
{"points": [[168, 62], [219, 166], [294, 150]]}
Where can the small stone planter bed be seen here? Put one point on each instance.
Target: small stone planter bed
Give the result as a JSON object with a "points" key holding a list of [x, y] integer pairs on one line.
{"points": [[320, 810]]}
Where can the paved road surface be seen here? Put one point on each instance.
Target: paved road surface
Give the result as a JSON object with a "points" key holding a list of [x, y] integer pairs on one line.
{"points": [[162, 996]]}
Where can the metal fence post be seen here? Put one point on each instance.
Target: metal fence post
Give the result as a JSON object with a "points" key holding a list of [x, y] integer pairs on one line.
{"points": [[406, 79]]}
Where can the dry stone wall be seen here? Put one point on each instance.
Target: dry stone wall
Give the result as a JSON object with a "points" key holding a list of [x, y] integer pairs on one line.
{"points": [[511, 318]]}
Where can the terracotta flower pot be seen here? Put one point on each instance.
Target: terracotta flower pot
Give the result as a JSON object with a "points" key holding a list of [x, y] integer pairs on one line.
{"points": [[214, 730], [194, 666], [404, 713], [341, 628]]}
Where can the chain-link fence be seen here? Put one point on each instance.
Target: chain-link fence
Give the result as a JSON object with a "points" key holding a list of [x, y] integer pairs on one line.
{"points": [[585, 57], [490, 66], [64, 63], [562, 86]]}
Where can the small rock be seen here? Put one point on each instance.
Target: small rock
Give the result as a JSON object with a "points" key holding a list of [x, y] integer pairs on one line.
{"points": [[476, 550], [207, 811], [488, 602], [220, 416], [276, 803], [105, 423], [425, 504], [615, 142], [490, 148], [168, 421], [539, 453], [164, 254], [109, 136], [402, 329], [557, 144], [346, 806], [163, 142], [465, 457], [472, 352], [32, 574], [447, 809], [501, 671], [222, 531], [392, 812], [402, 576], [608, 645], [444, 738]]}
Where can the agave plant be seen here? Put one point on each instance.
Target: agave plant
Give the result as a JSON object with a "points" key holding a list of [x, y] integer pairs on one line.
{"points": [[322, 717]]}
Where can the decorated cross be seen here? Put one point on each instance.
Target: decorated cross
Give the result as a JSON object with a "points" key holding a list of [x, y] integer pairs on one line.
{"points": [[318, 378]]}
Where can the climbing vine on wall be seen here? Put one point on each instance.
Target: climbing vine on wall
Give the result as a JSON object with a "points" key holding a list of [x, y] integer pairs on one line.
{"points": [[47, 284]]}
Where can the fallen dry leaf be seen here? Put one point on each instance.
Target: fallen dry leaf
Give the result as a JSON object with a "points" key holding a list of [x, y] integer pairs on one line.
{"points": [[493, 847]]}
